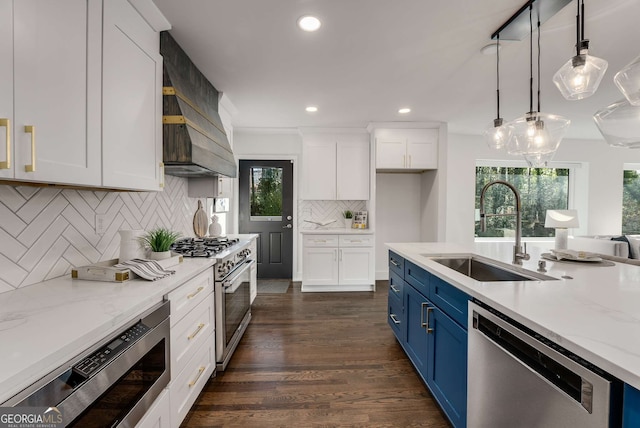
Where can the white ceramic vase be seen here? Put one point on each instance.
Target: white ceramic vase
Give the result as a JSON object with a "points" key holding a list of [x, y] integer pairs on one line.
{"points": [[348, 223], [130, 246]]}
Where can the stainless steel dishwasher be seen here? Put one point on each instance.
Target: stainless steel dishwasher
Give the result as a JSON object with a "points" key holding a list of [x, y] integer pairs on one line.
{"points": [[516, 378]]}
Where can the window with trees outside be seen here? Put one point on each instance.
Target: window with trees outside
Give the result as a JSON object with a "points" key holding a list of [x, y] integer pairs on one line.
{"points": [[266, 193], [540, 189], [631, 202]]}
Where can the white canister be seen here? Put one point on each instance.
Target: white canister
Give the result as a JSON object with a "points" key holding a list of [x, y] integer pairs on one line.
{"points": [[130, 245]]}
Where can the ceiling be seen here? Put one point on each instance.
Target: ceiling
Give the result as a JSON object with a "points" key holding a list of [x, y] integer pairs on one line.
{"points": [[371, 57]]}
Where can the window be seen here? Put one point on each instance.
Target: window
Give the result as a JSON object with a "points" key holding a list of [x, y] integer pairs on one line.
{"points": [[266, 193], [540, 189], [631, 202]]}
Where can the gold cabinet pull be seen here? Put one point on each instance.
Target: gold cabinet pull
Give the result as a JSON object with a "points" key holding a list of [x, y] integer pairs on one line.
{"points": [[31, 129], [200, 371], [161, 185], [7, 124], [192, 295], [195, 333]]}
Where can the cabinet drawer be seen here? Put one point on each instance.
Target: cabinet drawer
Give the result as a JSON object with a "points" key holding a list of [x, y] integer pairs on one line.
{"points": [[190, 333], [417, 277], [184, 389], [396, 264], [449, 299], [395, 286], [189, 295], [320, 240], [356, 241], [395, 317]]}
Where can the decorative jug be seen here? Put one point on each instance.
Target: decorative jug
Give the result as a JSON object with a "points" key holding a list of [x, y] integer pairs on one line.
{"points": [[130, 245]]}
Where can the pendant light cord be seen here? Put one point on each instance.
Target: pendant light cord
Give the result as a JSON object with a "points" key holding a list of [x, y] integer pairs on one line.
{"points": [[531, 58], [498, 77], [582, 20], [538, 64], [578, 27]]}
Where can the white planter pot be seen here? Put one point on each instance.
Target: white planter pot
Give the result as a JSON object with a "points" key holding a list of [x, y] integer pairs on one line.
{"points": [[348, 223], [159, 255]]}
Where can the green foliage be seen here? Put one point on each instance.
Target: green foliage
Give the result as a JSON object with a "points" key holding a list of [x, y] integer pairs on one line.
{"points": [[159, 239], [540, 189], [347, 214], [631, 202], [266, 191]]}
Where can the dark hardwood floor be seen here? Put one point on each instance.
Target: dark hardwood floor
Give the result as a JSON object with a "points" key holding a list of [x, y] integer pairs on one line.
{"points": [[318, 360]]}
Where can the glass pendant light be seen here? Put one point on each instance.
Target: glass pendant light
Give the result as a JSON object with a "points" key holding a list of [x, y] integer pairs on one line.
{"points": [[619, 124], [498, 134], [580, 77], [628, 81], [536, 136]]}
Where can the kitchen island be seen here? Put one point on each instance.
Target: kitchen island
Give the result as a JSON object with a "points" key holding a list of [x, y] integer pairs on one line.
{"points": [[590, 309]]}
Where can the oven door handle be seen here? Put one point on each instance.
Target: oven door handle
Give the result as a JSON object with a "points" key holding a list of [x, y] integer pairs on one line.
{"points": [[229, 282]]}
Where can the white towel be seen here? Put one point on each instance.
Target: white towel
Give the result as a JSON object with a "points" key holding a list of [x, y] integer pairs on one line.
{"points": [[146, 269]]}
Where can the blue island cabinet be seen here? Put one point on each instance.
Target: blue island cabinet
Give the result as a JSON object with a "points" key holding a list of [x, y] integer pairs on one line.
{"points": [[631, 407], [431, 326]]}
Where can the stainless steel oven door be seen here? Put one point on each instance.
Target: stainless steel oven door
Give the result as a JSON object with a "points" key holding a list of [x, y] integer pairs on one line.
{"points": [[233, 311]]}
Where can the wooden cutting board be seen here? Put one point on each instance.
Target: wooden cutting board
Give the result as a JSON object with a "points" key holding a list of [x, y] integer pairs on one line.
{"points": [[200, 221]]}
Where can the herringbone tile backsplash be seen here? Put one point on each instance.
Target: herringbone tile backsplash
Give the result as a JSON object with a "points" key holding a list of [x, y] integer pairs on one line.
{"points": [[324, 211], [44, 232]]}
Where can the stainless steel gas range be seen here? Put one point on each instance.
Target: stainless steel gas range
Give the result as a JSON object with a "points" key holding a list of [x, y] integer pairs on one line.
{"points": [[232, 288]]}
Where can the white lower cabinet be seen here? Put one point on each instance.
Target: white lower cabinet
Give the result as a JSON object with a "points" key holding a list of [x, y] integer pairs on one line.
{"points": [[253, 284], [192, 342], [187, 386], [159, 414], [338, 263]]}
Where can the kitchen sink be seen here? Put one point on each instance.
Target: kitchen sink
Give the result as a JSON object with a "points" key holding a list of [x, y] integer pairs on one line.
{"points": [[487, 270]]}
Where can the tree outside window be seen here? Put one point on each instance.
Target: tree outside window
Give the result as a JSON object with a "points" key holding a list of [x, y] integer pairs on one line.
{"points": [[266, 191], [631, 202], [540, 189]]}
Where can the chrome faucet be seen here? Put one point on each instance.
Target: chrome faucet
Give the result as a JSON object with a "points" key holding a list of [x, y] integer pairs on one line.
{"points": [[518, 253]]}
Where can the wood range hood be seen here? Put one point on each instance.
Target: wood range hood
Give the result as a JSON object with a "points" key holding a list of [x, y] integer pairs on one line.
{"points": [[194, 141]]}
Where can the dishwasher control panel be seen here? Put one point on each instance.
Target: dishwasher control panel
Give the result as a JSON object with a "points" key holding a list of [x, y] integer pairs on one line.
{"points": [[94, 362]]}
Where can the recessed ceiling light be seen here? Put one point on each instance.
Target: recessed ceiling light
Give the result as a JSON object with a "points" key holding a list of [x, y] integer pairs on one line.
{"points": [[312, 109], [309, 23], [404, 110], [490, 49]]}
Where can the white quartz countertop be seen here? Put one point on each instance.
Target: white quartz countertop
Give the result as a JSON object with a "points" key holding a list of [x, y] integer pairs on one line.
{"points": [[596, 314], [337, 231], [44, 325]]}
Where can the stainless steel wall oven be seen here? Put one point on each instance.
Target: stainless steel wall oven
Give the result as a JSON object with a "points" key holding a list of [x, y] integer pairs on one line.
{"points": [[114, 382]]}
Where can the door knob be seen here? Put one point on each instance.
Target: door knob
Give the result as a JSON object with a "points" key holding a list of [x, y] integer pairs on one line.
{"points": [[288, 226], [289, 218]]}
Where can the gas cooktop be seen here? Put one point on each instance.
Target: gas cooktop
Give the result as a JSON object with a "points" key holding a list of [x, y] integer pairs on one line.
{"points": [[202, 247]]}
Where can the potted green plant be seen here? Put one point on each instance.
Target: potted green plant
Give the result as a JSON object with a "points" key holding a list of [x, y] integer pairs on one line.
{"points": [[348, 218], [159, 241]]}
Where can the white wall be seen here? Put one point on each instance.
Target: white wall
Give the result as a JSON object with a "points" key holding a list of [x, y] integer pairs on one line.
{"points": [[601, 184], [399, 212]]}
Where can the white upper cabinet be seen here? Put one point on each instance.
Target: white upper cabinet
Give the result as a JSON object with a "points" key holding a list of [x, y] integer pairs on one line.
{"points": [[406, 149], [6, 88], [132, 100], [319, 167], [80, 94], [51, 62], [336, 167]]}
